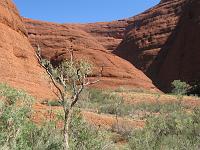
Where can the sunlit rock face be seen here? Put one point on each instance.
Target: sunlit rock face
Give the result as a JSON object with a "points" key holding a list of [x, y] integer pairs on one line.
{"points": [[163, 43], [150, 41], [18, 64], [94, 42]]}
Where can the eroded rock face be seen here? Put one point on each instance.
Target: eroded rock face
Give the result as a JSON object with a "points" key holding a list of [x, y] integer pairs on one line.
{"points": [[10, 17], [160, 42], [182, 60], [90, 41], [164, 42], [108, 34], [154, 42], [18, 64], [148, 32]]}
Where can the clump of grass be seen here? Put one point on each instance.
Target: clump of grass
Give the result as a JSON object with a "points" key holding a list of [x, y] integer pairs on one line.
{"points": [[51, 103], [127, 90], [104, 102], [123, 130]]}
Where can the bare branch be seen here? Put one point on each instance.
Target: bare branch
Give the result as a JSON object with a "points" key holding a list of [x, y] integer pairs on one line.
{"points": [[76, 96], [90, 83], [74, 87], [71, 51], [39, 58], [58, 96]]}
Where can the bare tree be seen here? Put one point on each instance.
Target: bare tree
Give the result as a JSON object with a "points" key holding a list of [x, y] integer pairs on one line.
{"points": [[70, 77]]}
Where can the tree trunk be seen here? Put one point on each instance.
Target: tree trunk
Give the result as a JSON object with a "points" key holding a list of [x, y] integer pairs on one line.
{"points": [[67, 121]]}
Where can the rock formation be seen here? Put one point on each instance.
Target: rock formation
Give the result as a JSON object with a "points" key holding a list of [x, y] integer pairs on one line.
{"points": [[182, 51], [158, 42], [18, 64], [89, 41], [163, 42]]}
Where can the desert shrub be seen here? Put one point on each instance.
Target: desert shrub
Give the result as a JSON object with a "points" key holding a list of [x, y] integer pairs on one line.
{"points": [[123, 130], [112, 106], [84, 136], [179, 87], [176, 130], [51, 103]]}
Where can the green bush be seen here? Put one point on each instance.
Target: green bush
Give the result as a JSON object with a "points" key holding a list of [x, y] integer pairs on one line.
{"points": [[177, 130], [84, 136], [179, 87], [17, 131]]}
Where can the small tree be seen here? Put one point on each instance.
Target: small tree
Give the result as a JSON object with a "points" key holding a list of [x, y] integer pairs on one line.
{"points": [[70, 77], [179, 87]]}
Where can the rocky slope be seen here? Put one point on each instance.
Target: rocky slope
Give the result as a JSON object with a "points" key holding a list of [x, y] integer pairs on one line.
{"points": [[163, 42], [89, 41], [149, 41], [18, 64], [160, 42]]}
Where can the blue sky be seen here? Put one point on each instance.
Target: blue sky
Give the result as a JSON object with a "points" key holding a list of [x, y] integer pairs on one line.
{"points": [[82, 11]]}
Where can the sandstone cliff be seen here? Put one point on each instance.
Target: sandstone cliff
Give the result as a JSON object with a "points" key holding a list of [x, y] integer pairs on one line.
{"points": [[163, 42], [158, 42], [90, 41], [18, 64]]}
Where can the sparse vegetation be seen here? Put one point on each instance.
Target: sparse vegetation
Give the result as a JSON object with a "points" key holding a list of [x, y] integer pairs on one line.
{"points": [[170, 125], [111, 103], [177, 130], [17, 131], [174, 127], [123, 130], [138, 90]]}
